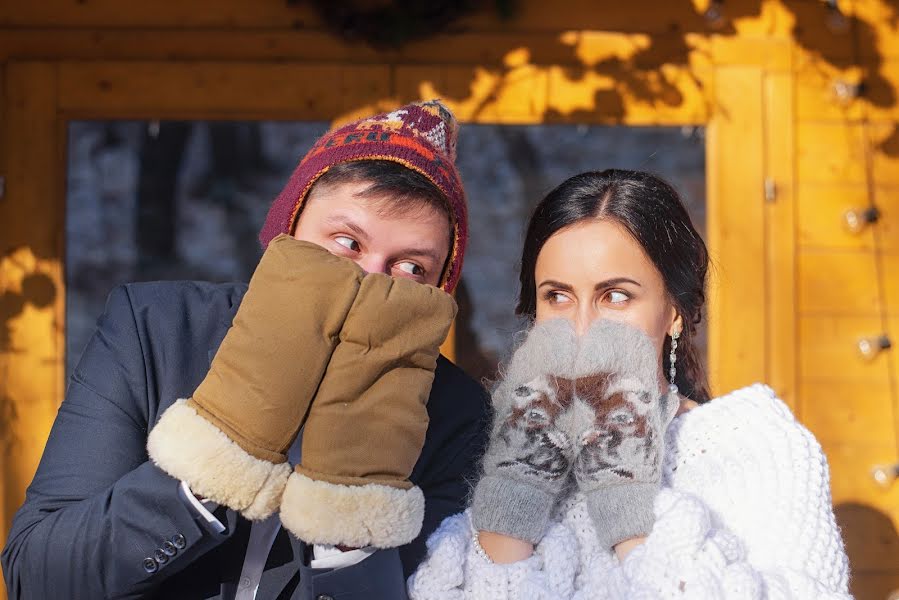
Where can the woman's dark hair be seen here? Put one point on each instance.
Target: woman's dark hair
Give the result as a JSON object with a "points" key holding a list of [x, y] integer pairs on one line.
{"points": [[651, 210]]}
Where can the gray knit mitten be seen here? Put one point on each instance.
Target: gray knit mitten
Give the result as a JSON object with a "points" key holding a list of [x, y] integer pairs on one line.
{"points": [[532, 443], [620, 463]]}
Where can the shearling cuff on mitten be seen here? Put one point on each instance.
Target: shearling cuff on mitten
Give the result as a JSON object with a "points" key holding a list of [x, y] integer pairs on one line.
{"points": [[322, 512], [191, 448], [229, 441]]}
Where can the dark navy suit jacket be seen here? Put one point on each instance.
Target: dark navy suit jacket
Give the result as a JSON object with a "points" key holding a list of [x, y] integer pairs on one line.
{"points": [[99, 516]]}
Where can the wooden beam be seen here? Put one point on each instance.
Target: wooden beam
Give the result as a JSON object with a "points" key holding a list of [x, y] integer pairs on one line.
{"points": [[32, 226], [473, 47], [780, 233], [736, 230], [746, 17], [235, 14], [210, 90]]}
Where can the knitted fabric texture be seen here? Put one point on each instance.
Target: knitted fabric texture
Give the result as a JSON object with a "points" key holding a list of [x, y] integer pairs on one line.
{"points": [[533, 439], [744, 512], [588, 406], [619, 464], [420, 136]]}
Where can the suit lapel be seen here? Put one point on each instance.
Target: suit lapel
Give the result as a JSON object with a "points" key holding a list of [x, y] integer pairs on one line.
{"points": [[282, 569], [286, 555]]}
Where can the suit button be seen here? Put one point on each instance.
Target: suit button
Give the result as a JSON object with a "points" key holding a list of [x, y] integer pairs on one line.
{"points": [[169, 549], [149, 565], [179, 541], [324, 597], [161, 557]]}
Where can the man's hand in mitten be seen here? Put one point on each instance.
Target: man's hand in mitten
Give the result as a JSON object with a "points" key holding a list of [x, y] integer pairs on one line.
{"points": [[367, 424], [229, 440]]}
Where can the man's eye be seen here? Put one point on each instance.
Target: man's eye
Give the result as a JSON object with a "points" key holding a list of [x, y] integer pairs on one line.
{"points": [[348, 242], [411, 268]]}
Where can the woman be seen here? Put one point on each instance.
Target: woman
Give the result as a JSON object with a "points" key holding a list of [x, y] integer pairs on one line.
{"points": [[610, 473]]}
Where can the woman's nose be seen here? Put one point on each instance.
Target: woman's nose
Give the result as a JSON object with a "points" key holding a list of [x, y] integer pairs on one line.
{"points": [[584, 318]]}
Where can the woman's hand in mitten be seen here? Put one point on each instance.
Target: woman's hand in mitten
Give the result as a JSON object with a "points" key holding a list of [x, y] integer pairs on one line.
{"points": [[620, 462], [533, 440]]}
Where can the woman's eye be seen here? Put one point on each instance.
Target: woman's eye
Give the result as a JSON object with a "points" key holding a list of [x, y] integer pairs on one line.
{"points": [[616, 297], [557, 298], [411, 268], [348, 242]]}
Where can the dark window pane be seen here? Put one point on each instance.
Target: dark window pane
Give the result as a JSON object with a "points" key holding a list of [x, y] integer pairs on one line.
{"points": [[185, 200]]}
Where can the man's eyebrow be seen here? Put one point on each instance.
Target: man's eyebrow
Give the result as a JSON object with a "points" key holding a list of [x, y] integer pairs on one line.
{"points": [[420, 253], [342, 221]]}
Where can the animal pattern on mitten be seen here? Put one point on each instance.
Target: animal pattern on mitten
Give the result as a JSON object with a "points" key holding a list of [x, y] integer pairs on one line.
{"points": [[603, 425], [532, 428], [623, 442], [586, 404]]}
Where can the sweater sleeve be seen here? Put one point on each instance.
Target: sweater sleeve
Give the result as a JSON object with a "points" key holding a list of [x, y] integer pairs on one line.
{"points": [[688, 555], [745, 513], [455, 570], [749, 515]]}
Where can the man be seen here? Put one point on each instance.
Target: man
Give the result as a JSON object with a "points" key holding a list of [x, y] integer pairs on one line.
{"points": [[166, 472]]}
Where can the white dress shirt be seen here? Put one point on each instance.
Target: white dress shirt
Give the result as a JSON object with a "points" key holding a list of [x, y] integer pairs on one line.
{"points": [[262, 536]]}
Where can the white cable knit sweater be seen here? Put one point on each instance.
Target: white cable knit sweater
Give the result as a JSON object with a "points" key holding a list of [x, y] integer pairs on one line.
{"points": [[745, 512]]}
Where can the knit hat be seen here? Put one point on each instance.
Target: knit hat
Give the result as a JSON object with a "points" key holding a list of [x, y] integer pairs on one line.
{"points": [[420, 136]]}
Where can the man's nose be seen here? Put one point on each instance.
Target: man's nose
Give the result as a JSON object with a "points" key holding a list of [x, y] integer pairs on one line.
{"points": [[374, 264]]}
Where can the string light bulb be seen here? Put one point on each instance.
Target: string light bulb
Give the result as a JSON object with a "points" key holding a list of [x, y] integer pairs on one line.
{"points": [[836, 20], [714, 14]]}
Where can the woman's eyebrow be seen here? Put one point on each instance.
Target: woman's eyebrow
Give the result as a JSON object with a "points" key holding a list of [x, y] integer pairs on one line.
{"points": [[615, 281], [555, 284]]}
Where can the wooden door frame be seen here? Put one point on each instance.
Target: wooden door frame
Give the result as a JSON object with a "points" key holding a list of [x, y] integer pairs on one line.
{"points": [[751, 312]]}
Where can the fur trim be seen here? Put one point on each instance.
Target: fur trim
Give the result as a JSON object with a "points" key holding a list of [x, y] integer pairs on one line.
{"points": [[190, 448], [319, 512], [616, 347]]}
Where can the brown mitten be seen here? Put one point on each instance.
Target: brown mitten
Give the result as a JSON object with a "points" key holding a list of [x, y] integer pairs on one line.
{"points": [[229, 441], [368, 421]]}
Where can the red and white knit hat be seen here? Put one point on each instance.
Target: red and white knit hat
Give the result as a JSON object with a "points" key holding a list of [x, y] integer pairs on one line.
{"points": [[420, 136]]}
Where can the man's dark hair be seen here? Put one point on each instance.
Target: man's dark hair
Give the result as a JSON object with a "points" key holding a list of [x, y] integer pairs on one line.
{"points": [[402, 187]]}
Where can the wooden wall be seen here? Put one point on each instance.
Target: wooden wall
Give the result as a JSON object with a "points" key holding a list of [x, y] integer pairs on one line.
{"points": [[786, 157]]}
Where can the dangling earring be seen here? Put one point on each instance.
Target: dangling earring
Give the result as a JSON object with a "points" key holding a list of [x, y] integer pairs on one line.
{"points": [[672, 360]]}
